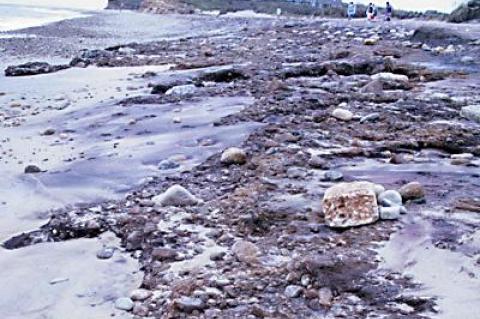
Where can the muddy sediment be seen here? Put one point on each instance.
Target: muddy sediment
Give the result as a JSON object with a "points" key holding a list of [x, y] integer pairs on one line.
{"points": [[324, 102]]}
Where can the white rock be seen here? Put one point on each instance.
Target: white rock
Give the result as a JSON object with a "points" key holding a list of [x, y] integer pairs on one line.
{"points": [[370, 41], [293, 291], [391, 213], [440, 96], [466, 156], [124, 304], [234, 155], [467, 60], [392, 77], [342, 114], [390, 198], [176, 196], [187, 89]]}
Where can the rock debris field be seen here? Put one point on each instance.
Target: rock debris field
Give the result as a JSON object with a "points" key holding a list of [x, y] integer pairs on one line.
{"points": [[290, 168]]}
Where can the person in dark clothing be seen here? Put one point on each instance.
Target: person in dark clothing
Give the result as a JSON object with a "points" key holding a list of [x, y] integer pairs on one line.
{"points": [[370, 12], [388, 11]]}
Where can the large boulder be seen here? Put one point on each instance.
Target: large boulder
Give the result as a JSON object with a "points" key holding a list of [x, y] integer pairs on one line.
{"points": [[435, 36], [33, 68], [350, 204], [466, 12]]}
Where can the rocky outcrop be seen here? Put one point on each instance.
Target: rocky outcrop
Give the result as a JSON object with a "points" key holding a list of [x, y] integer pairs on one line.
{"points": [[33, 68], [124, 4], [466, 12], [434, 35], [166, 6]]}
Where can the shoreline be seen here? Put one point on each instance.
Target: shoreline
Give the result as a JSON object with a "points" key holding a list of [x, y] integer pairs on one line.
{"points": [[287, 82]]}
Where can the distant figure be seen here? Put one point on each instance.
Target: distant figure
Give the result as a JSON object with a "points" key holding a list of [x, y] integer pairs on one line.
{"points": [[370, 12], [388, 11], [351, 10], [375, 11]]}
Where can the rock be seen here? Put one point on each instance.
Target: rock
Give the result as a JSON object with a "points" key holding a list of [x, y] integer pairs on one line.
{"points": [[333, 176], [165, 84], [134, 240], [370, 41], [391, 213], [293, 291], [168, 164], [234, 155], [182, 90], [317, 162], [389, 77], [296, 173], [140, 310], [342, 114], [32, 169], [372, 117], [471, 112], [325, 296], [440, 96], [164, 254], [33, 68], [375, 87], [246, 251], [437, 35], [461, 159], [390, 198], [105, 253], [467, 156], [467, 60], [176, 196], [411, 191], [140, 294], [124, 304], [350, 204], [224, 74], [48, 132], [188, 304]]}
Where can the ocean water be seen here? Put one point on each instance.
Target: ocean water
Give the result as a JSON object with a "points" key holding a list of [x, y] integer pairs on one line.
{"points": [[19, 14]]}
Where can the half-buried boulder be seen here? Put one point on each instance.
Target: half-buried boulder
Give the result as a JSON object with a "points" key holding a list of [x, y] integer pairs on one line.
{"points": [[176, 196], [350, 204]]}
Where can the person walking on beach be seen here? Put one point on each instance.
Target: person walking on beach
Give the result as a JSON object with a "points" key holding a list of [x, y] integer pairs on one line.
{"points": [[369, 12], [388, 11], [351, 10]]}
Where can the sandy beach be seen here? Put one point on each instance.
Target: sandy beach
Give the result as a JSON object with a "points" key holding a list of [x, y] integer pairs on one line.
{"points": [[175, 166]]}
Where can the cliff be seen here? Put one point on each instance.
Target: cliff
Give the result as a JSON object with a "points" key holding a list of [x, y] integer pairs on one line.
{"points": [[466, 12]]}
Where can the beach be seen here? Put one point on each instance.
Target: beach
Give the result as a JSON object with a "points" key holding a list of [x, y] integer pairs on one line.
{"points": [[175, 166]]}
